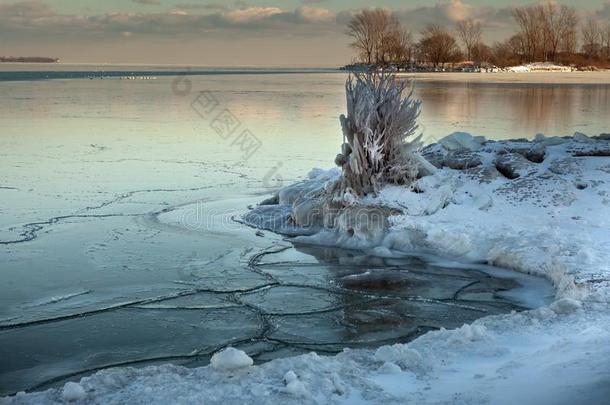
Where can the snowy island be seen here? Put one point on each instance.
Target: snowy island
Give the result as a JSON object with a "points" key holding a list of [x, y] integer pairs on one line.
{"points": [[541, 207]]}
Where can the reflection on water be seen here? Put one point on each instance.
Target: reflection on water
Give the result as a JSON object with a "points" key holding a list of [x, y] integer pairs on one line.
{"points": [[501, 111]]}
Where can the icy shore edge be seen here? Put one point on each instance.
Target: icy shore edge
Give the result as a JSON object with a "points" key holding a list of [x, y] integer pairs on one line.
{"points": [[541, 207]]}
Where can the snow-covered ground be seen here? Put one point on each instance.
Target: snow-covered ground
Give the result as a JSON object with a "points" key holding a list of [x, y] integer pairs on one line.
{"points": [[540, 207], [539, 67]]}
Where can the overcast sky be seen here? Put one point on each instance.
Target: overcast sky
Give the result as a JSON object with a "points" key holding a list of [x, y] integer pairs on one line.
{"points": [[226, 33]]}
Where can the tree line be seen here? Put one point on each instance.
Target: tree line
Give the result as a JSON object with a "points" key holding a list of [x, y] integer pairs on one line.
{"points": [[548, 32]]}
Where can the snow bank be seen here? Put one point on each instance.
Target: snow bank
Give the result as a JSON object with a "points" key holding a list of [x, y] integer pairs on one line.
{"points": [[73, 392], [540, 207], [537, 357], [540, 67]]}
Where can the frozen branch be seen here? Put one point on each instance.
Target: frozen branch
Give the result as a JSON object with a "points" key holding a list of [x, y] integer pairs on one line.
{"points": [[380, 120]]}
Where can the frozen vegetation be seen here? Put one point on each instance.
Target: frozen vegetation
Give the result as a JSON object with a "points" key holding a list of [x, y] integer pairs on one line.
{"points": [[541, 207]]}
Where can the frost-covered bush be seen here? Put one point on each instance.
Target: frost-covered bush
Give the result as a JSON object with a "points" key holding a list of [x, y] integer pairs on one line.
{"points": [[381, 116]]}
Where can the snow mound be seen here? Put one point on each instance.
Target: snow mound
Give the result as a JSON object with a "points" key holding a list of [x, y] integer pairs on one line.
{"points": [[293, 385], [231, 359], [462, 141], [534, 357], [540, 67], [73, 392], [399, 354], [566, 306], [541, 207]]}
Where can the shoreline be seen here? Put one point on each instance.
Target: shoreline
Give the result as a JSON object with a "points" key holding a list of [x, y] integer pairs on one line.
{"points": [[598, 78]]}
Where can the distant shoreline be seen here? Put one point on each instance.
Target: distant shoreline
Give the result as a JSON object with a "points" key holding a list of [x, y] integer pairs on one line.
{"points": [[28, 59], [36, 72], [593, 78]]}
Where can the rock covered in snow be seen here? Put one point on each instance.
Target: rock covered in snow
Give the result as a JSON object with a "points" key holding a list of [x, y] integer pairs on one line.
{"points": [[73, 392], [513, 165], [365, 223], [473, 210], [231, 359], [389, 368], [293, 385], [566, 306], [462, 141], [399, 354], [460, 160]]}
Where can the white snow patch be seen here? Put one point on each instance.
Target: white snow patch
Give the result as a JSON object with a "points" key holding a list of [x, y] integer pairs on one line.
{"points": [[400, 354], [566, 305], [389, 368], [231, 359], [73, 392], [293, 385]]}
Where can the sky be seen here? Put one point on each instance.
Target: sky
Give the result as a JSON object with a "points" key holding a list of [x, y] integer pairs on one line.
{"points": [[227, 33]]}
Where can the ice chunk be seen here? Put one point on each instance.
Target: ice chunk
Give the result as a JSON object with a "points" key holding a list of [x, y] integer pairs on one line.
{"points": [[549, 141], [514, 165], [462, 141], [399, 353], [73, 392], [231, 359], [290, 376], [389, 368], [566, 306], [293, 385], [468, 333]]}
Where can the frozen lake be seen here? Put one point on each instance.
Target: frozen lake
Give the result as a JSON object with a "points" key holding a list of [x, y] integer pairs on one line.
{"points": [[117, 244]]}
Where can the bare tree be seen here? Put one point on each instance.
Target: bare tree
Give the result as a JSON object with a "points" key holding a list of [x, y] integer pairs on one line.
{"points": [[437, 46], [517, 47], [569, 41], [548, 31], [470, 33], [545, 28], [557, 22], [378, 36], [362, 29], [605, 41], [398, 45], [591, 37], [481, 53], [503, 54], [527, 18]]}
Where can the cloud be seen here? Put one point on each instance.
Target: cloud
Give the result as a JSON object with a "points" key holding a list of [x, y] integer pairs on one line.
{"points": [[25, 10], [244, 15], [456, 10], [311, 14], [37, 18], [448, 13], [148, 2], [198, 6], [34, 18]]}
